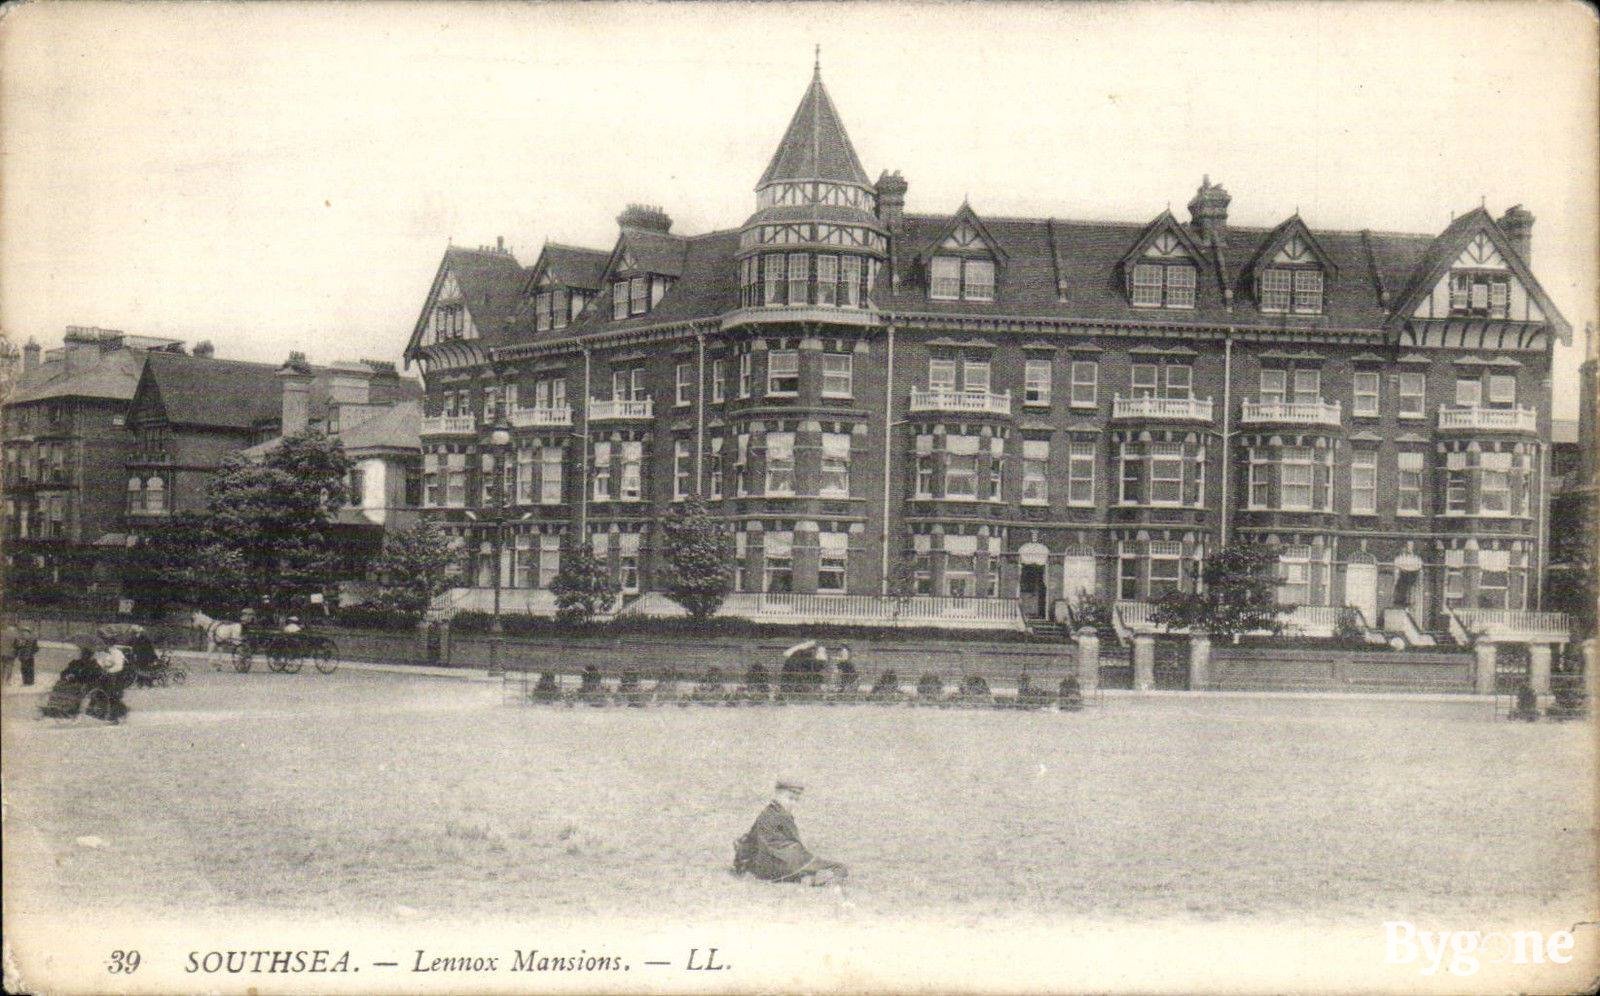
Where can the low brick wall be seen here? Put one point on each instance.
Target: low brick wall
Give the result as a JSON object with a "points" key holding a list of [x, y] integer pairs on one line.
{"points": [[1340, 670]]}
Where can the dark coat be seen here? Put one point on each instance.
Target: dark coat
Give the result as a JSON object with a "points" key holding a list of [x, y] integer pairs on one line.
{"points": [[772, 848], [25, 648]]}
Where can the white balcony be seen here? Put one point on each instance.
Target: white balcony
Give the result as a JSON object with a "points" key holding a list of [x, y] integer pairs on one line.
{"points": [[539, 418], [1497, 419], [1292, 412], [602, 410], [982, 402], [1197, 409], [449, 425], [1510, 626]]}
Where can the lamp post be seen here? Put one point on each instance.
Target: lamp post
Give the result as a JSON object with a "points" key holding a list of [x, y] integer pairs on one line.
{"points": [[500, 439]]}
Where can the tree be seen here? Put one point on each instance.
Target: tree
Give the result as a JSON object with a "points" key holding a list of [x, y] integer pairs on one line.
{"points": [[413, 568], [275, 513], [1238, 593], [180, 560], [1570, 581], [697, 554], [583, 587]]}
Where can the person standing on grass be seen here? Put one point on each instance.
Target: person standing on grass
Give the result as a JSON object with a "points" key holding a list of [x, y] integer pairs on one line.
{"points": [[771, 849]]}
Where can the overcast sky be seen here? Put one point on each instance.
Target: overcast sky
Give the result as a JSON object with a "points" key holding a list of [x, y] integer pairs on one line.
{"points": [[286, 177]]}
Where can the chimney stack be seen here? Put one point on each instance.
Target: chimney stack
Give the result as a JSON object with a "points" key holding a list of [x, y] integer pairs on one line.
{"points": [[296, 413], [892, 202], [1208, 211], [204, 349], [30, 357], [646, 216], [1518, 224]]}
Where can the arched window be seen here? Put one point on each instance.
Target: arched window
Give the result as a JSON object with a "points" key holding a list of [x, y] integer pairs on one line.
{"points": [[155, 495], [135, 495]]}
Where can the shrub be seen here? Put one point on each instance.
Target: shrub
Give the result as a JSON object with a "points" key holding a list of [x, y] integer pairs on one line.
{"points": [[887, 686], [930, 686]]}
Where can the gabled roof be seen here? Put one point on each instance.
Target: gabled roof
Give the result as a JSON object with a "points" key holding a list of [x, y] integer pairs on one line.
{"points": [[1276, 239], [398, 427], [491, 282], [707, 286], [1161, 223], [815, 146], [966, 216], [570, 266], [649, 251], [113, 376], [1448, 246], [205, 391]]}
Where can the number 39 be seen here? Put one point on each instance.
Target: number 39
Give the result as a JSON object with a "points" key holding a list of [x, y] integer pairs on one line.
{"points": [[123, 963]]}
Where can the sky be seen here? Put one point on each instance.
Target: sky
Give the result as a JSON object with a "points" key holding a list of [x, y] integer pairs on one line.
{"points": [[286, 177]]}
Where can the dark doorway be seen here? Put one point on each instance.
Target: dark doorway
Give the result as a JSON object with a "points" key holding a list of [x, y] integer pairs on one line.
{"points": [[1034, 596]]}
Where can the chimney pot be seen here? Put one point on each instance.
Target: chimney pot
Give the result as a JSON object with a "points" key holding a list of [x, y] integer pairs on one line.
{"points": [[30, 357]]}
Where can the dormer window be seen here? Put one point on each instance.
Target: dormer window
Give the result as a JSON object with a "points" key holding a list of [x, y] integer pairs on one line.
{"points": [[956, 279], [1485, 295], [551, 309], [1163, 285], [635, 295], [1296, 289]]}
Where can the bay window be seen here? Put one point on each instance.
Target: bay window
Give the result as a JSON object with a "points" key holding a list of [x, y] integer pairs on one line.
{"points": [[550, 467], [1166, 567], [1494, 484], [961, 467], [780, 463], [828, 280], [524, 488], [1166, 473], [1298, 476], [773, 276], [456, 480], [832, 562], [777, 549], [835, 465], [632, 459], [850, 282], [799, 277], [715, 463], [549, 560], [783, 372], [1494, 574], [719, 385]]}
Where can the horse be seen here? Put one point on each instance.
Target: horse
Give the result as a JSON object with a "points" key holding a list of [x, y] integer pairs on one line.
{"points": [[216, 630]]}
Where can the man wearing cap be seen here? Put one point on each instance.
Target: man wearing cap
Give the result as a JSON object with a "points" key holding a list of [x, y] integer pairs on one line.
{"points": [[771, 850]]}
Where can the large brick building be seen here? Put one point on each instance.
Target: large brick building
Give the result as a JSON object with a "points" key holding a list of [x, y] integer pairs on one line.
{"points": [[1001, 413]]}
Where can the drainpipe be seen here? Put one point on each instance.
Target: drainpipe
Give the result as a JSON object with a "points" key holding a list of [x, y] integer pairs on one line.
{"points": [[888, 458], [700, 415], [1227, 433], [583, 457], [1541, 561]]}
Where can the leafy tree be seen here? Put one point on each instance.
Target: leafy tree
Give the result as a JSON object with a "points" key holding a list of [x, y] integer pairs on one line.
{"points": [[275, 513], [1570, 585], [181, 561], [413, 568], [583, 587], [697, 552], [1238, 593]]}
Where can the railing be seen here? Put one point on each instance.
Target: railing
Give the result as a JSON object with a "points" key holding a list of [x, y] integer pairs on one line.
{"points": [[1476, 417], [607, 409], [1313, 620], [534, 418], [985, 402], [1293, 412], [875, 610], [1515, 625], [449, 425], [1182, 408]]}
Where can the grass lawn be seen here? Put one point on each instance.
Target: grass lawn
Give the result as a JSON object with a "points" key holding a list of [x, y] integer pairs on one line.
{"points": [[357, 793]]}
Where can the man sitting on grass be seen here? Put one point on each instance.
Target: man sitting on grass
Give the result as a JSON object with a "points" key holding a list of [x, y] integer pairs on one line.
{"points": [[772, 851]]}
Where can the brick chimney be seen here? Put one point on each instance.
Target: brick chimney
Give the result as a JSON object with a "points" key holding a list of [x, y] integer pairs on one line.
{"points": [[1518, 224], [30, 357], [647, 216], [1208, 211], [892, 202], [296, 376]]}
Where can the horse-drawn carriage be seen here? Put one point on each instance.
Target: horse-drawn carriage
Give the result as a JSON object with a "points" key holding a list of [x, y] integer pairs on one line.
{"points": [[282, 650]]}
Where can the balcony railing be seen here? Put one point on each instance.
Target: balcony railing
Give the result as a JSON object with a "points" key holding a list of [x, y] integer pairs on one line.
{"points": [[538, 418], [983, 402], [1292, 412], [449, 425], [1477, 417], [643, 408], [1514, 625], [1161, 408]]}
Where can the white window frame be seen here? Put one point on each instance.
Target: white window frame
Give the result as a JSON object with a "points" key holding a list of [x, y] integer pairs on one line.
{"points": [[976, 376], [631, 486], [1290, 457], [551, 472], [833, 560], [1036, 375], [1307, 386], [1144, 380], [941, 375], [682, 469], [1179, 380], [1364, 482], [1168, 457], [601, 472], [746, 370], [978, 280], [1081, 460], [944, 278], [787, 372], [835, 481], [1365, 388], [719, 387], [1409, 468], [828, 281], [838, 374], [1035, 472], [1308, 292], [1411, 387], [799, 277], [683, 384], [777, 560], [619, 300], [780, 464], [1085, 383], [1277, 289], [1502, 389]]}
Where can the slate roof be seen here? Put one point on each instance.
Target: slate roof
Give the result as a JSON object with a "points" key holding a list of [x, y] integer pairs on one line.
{"points": [[707, 285], [114, 376], [491, 284], [206, 391], [398, 427], [653, 251], [815, 146], [575, 266]]}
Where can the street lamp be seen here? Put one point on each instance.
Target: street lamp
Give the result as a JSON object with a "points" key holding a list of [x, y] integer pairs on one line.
{"points": [[500, 439]]}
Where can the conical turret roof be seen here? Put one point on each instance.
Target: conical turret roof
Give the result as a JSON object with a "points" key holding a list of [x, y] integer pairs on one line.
{"points": [[815, 147]]}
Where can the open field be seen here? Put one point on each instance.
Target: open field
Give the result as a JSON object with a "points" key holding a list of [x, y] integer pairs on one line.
{"points": [[358, 793]]}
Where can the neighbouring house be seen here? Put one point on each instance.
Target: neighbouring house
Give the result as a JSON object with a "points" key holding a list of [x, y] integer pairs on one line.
{"points": [[63, 429], [953, 418]]}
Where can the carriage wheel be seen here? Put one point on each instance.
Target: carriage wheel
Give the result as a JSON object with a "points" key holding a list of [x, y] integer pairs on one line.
{"points": [[177, 675], [290, 662], [322, 656], [241, 658]]}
